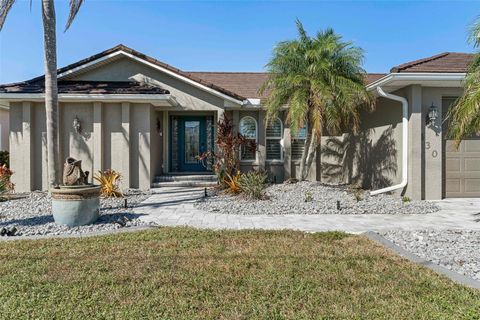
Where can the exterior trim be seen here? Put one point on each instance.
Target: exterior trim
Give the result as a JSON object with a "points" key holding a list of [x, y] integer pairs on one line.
{"points": [[390, 78]]}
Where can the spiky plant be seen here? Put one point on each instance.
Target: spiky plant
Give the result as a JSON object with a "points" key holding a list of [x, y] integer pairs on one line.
{"points": [[51, 90], [321, 79], [464, 115], [110, 182]]}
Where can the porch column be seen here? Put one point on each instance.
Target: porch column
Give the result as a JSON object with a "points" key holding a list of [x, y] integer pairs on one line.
{"points": [[25, 181], [165, 144], [235, 120], [125, 147], [262, 142], [434, 148], [416, 134], [97, 137]]}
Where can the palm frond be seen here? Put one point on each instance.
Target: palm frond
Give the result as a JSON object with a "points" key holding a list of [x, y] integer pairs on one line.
{"points": [[474, 34], [74, 8], [5, 6]]}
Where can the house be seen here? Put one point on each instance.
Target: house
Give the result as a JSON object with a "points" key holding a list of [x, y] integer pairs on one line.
{"points": [[124, 110]]}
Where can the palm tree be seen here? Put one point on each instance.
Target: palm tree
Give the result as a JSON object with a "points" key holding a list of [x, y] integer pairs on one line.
{"points": [[51, 91], [464, 115], [321, 79]]}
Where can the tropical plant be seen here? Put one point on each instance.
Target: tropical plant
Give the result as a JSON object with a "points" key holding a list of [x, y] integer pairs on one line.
{"points": [[253, 184], [4, 158], [110, 182], [226, 161], [321, 79], [464, 116], [51, 90], [6, 184], [233, 182]]}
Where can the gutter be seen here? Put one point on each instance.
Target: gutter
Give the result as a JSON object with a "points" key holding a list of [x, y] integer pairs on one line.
{"points": [[417, 77], [404, 181]]}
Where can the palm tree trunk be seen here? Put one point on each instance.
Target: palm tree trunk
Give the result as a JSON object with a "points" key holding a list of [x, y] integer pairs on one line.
{"points": [[306, 148], [312, 148], [51, 91]]}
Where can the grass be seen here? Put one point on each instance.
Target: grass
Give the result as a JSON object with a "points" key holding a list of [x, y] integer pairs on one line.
{"points": [[180, 273]]}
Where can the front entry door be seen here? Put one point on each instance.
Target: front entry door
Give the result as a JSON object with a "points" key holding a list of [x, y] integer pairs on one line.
{"points": [[192, 142]]}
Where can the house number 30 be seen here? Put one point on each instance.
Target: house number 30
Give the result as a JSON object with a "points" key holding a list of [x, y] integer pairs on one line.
{"points": [[434, 152]]}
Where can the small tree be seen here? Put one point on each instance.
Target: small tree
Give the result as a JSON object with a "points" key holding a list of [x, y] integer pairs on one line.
{"points": [[226, 161], [321, 80]]}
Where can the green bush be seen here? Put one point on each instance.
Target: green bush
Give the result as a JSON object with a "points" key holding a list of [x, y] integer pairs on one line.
{"points": [[253, 184], [4, 158]]}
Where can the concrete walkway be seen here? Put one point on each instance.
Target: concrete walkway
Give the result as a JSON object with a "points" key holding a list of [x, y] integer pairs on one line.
{"points": [[175, 207]]}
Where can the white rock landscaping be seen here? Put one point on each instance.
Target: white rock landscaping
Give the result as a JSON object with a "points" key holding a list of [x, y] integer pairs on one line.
{"points": [[30, 214], [310, 198], [457, 250]]}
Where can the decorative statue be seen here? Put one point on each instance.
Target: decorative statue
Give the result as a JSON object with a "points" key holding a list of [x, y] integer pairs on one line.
{"points": [[73, 174]]}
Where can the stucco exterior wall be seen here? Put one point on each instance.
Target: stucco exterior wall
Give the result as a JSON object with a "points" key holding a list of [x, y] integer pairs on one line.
{"points": [[4, 129], [125, 141], [372, 157], [188, 96]]}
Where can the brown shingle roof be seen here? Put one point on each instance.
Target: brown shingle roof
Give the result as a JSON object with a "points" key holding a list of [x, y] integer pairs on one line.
{"points": [[86, 87], [247, 84], [140, 55], [448, 62]]}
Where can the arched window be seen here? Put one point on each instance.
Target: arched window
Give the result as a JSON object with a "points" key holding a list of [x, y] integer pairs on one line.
{"points": [[298, 142], [274, 134], [248, 128]]}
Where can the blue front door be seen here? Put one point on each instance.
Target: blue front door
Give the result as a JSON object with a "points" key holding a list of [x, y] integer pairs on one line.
{"points": [[192, 142]]}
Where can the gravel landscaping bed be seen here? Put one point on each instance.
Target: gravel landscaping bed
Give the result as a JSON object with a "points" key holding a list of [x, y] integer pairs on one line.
{"points": [[457, 250], [313, 198], [30, 214]]}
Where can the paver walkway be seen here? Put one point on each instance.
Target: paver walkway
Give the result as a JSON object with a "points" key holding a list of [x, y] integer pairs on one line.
{"points": [[175, 207]]}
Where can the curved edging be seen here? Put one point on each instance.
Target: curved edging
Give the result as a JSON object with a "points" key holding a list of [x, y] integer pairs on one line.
{"points": [[80, 235], [452, 275]]}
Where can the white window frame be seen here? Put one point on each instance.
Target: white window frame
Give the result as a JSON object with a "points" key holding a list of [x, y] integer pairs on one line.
{"points": [[249, 138], [279, 138], [296, 137]]}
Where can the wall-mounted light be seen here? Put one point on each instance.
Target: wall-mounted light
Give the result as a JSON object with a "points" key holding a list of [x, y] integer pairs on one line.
{"points": [[77, 126], [432, 115]]}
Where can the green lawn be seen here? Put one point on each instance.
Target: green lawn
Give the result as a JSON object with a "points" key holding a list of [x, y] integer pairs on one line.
{"points": [[180, 273]]}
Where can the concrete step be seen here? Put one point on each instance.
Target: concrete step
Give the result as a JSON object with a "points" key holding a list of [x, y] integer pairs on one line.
{"points": [[189, 184], [186, 178]]}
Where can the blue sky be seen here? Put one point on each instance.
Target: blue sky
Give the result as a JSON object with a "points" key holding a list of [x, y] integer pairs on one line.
{"points": [[233, 35]]}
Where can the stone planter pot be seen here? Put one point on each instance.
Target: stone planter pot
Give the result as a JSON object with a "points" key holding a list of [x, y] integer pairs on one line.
{"points": [[76, 205]]}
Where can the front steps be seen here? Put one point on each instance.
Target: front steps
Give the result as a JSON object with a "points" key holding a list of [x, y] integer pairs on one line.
{"points": [[185, 180]]}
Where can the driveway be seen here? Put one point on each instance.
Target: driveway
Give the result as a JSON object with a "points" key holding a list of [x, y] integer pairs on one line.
{"points": [[175, 207]]}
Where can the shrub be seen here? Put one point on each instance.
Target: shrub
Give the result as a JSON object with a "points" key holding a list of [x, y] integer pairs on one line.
{"points": [[6, 185], [110, 183], [226, 162], [406, 199], [4, 159], [233, 182], [253, 184], [308, 196]]}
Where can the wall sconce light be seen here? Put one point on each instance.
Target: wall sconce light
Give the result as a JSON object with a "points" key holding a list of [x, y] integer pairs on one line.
{"points": [[432, 115], [77, 126]]}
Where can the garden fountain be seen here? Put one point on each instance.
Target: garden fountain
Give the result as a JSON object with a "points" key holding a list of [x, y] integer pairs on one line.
{"points": [[76, 202]]}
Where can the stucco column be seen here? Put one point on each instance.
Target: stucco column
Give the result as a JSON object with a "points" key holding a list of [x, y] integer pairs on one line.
{"points": [[125, 148], [23, 177], [433, 148], [98, 155], [235, 120], [287, 155], [416, 148], [262, 142], [166, 145]]}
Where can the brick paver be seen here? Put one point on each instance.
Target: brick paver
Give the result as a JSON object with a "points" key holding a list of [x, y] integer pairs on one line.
{"points": [[175, 207]]}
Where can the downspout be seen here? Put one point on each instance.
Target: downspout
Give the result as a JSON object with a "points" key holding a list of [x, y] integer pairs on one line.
{"points": [[404, 142]]}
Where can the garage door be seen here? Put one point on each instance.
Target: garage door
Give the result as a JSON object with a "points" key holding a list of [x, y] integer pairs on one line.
{"points": [[462, 165]]}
